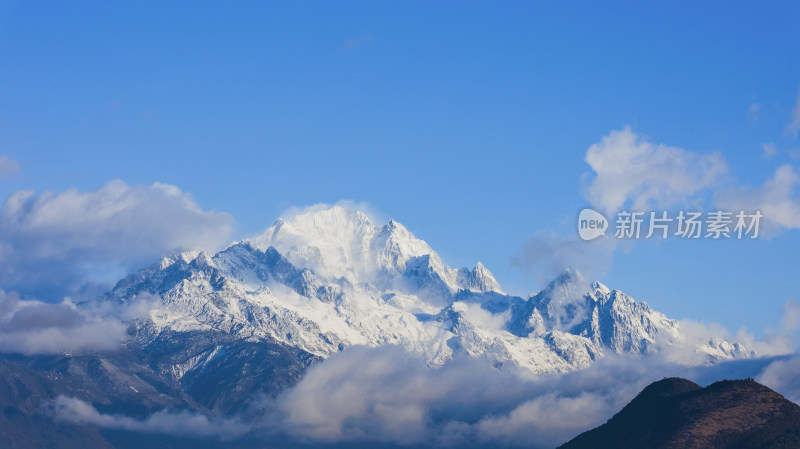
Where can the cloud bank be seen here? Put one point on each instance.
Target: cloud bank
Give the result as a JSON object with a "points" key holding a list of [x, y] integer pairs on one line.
{"points": [[380, 396], [50, 242], [385, 395]]}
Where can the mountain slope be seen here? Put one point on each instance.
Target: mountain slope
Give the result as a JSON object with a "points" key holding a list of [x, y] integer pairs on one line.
{"points": [[677, 413], [202, 373], [22, 423]]}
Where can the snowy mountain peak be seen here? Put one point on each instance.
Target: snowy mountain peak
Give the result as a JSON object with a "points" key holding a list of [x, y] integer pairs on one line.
{"points": [[336, 242], [392, 225], [203, 260], [567, 287], [178, 256], [333, 241], [568, 276], [395, 245], [478, 279], [599, 289]]}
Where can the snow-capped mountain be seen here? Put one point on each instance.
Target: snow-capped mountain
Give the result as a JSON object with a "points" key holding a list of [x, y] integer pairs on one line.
{"points": [[330, 278], [338, 243]]}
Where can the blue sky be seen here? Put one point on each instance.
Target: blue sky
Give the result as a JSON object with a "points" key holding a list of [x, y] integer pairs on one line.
{"points": [[468, 122]]}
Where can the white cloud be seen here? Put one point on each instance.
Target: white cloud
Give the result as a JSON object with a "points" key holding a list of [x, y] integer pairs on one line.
{"points": [[8, 166], [769, 150], [630, 170], [794, 123], [776, 199], [51, 241], [185, 423], [33, 327]]}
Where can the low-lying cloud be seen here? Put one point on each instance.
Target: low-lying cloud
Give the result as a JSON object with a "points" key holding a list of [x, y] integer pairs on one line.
{"points": [[181, 423], [34, 327], [378, 396], [387, 395]]}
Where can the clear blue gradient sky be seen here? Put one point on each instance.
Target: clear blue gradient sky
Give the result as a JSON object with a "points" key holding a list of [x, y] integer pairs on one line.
{"points": [[468, 122]]}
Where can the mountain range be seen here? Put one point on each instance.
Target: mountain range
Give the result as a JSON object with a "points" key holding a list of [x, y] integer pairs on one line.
{"points": [[246, 322], [329, 279]]}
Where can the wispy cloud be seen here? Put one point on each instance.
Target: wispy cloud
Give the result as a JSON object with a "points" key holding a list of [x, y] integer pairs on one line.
{"points": [[769, 150], [791, 316], [753, 112], [357, 42], [8, 166], [547, 255], [794, 120], [777, 199], [782, 377]]}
